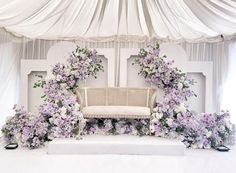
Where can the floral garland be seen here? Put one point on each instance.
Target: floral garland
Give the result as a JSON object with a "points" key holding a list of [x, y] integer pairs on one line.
{"points": [[108, 126], [171, 117]]}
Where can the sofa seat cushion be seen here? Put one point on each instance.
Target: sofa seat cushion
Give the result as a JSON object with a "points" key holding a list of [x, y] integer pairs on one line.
{"points": [[116, 112]]}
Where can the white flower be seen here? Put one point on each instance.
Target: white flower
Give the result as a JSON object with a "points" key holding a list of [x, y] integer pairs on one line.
{"points": [[180, 85], [179, 115], [229, 125], [77, 106], [82, 55], [56, 101], [152, 128], [76, 53], [68, 72], [59, 78], [154, 109], [63, 85], [169, 121], [194, 146], [49, 77], [200, 145], [31, 116], [159, 115], [155, 120], [208, 134], [222, 128], [73, 72], [63, 111], [181, 108], [182, 78]]}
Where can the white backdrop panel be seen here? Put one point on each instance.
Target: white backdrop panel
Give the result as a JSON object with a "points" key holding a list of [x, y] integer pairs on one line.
{"points": [[35, 94]]}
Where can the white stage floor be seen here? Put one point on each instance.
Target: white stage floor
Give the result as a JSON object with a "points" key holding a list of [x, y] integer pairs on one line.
{"points": [[23, 160], [118, 144]]}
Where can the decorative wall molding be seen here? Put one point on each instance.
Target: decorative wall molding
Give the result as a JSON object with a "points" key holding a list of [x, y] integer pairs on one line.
{"points": [[28, 66]]}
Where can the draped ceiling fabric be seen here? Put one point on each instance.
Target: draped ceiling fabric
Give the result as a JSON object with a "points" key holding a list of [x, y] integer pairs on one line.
{"points": [[120, 20]]}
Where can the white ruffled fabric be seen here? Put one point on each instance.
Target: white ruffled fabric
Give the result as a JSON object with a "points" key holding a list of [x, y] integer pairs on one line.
{"points": [[120, 20]]}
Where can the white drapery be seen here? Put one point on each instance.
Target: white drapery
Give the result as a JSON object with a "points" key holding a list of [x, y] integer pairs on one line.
{"points": [[120, 20], [10, 53], [229, 92]]}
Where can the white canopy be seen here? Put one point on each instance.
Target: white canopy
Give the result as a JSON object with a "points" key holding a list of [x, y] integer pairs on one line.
{"points": [[106, 20]]}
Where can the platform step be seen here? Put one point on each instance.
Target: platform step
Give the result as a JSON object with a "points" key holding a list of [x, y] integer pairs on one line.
{"points": [[119, 144]]}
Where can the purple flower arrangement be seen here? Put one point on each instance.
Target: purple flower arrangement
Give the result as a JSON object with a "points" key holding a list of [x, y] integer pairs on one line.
{"points": [[171, 117], [110, 126], [59, 115]]}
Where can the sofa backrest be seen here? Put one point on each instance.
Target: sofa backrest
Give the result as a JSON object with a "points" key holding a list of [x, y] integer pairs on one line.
{"points": [[116, 96]]}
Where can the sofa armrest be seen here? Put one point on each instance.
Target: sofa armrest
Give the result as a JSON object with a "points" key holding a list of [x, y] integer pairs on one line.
{"points": [[153, 101], [79, 98]]}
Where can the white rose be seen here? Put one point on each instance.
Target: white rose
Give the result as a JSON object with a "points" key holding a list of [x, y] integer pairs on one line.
{"points": [[179, 115], [180, 85], [63, 85], [68, 70], [59, 77], [151, 66], [49, 77], [51, 120], [194, 146], [63, 111], [76, 53], [152, 128], [56, 101], [73, 72], [77, 106], [82, 55], [229, 125], [182, 78], [154, 110], [222, 128], [155, 120], [200, 145], [181, 108], [169, 121], [159, 115], [31, 115], [208, 134]]}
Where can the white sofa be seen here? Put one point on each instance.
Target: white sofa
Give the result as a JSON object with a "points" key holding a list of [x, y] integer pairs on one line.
{"points": [[116, 102]]}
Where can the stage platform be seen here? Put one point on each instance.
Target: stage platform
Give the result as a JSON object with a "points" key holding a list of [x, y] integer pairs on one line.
{"points": [[119, 144]]}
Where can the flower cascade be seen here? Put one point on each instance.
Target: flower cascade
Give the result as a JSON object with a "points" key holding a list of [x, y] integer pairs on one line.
{"points": [[172, 117], [59, 115]]}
